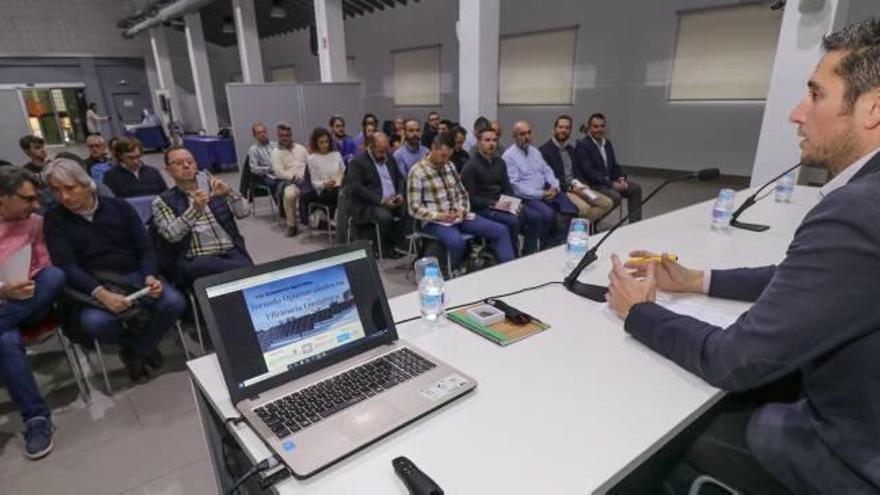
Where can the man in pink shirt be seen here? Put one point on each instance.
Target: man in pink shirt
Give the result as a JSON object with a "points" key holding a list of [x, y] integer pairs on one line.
{"points": [[24, 301]]}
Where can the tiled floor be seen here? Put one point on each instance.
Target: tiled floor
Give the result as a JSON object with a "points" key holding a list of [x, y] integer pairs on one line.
{"points": [[146, 439]]}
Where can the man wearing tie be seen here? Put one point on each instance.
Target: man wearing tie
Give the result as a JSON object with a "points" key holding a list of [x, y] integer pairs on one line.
{"points": [[596, 154], [815, 319]]}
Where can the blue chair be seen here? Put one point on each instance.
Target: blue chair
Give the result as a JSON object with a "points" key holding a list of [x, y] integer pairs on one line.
{"points": [[143, 205], [98, 171]]}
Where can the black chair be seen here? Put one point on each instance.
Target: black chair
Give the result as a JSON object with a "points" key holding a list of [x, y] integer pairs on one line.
{"points": [[251, 187]]}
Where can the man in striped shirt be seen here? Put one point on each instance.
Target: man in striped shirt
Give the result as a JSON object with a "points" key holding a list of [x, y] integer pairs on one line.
{"points": [[437, 198]]}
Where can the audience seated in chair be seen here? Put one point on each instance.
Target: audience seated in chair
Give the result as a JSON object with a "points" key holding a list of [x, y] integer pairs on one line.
{"points": [[342, 142], [38, 156], [597, 155], [485, 178], [289, 167], [369, 120], [412, 151], [533, 181], [198, 235], [132, 177], [25, 301], [459, 155], [326, 168], [436, 196], [97, 152], [260, 157], [568, 169], [375, 189], [431, 128], [94, 238]]}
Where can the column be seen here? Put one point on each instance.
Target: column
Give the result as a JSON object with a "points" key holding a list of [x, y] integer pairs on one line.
{"points": [[478, 31], [798, 51], [248, 41], [164, 73], [331, 40], [201, 70]]}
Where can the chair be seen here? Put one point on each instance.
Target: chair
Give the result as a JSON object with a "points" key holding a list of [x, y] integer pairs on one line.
{"points": [[251, 188], [143, 205], [329, 211], [98, 171], [36, 335], [375, 226], [416, 237]]}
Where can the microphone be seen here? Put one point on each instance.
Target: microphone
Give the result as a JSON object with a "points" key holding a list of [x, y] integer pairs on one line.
{"points": [[754, 227], [597, 292]]}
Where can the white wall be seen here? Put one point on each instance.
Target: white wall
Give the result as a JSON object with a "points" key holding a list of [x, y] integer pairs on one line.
{"points": [[66, 27]]}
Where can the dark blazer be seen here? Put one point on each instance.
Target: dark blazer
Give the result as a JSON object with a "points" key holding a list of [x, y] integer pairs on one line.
{"points": [[594, 167], [365, 187], [553, 157], [816, 313]]}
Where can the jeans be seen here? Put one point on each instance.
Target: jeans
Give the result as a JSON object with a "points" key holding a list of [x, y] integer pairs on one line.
{"points": [[202, 266], [451, 237], [511, 221], [15, 369], [103, 326], [540, 224]]}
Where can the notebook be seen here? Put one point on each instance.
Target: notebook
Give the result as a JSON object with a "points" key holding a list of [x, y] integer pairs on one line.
{"points": [[502, 333]]}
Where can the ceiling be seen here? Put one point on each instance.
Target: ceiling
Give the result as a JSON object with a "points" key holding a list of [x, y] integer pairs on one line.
{"points": [[300, 15]]}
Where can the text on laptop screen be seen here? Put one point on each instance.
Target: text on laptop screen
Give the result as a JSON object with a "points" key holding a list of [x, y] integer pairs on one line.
{"points": [[277, 321]]}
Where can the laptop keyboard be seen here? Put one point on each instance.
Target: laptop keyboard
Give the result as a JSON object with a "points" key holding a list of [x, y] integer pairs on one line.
{"points": [[301, 409]]}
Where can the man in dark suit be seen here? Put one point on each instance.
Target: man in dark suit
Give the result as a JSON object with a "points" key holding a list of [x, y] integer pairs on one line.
{"points": [[815, 316], [596, 155], [376, 191]]}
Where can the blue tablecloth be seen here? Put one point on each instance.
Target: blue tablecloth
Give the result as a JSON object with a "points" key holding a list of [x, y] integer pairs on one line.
{"points": [[212, 153], [152, 137]]}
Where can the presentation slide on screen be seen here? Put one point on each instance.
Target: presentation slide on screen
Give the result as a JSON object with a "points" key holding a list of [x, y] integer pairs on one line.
{"points": [[303, 316]]}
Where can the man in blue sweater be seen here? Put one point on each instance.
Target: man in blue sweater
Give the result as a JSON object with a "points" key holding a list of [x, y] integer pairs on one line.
{"points": [[87, 234], [815, 315]]}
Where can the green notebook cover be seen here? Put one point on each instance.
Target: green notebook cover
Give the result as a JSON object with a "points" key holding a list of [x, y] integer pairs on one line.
{"points": [[502, 333]]}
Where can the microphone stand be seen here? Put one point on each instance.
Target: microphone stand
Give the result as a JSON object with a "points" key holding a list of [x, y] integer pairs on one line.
{"points": [[751, 200], [597, 292]]}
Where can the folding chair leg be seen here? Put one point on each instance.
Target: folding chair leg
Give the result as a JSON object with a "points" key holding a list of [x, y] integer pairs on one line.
{"points": [[109, 389], [182, 340], [76, 368], [195, 309], [378, 241]]}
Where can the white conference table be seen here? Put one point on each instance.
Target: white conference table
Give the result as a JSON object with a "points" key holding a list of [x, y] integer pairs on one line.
{"points": [[573, 409]]}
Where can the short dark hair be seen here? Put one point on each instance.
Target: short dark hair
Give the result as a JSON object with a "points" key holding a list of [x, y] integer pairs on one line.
{"points": [[26, 142], [456, 130], [563, 117], [333, 120], [410, 119], [318, 133], [171, 149], [368, 116], [284, 126], [596, 115], [11, 178], [481, 123], [860, 68], [433, 112], [443, 139], [448, 123], [485, 130], [126, 144]]}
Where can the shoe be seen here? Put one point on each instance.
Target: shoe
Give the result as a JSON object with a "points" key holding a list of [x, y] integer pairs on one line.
{"points": [[155, 360], [292, 231], [137, 370], [38, 437]]}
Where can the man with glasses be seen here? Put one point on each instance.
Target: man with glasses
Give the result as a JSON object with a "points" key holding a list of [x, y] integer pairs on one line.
{"points": [[131, 177], [97, 152], [196, 222], [24, 300]]}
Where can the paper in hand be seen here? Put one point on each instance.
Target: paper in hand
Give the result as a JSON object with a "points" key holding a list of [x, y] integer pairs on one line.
{"points": [[17, 267]]}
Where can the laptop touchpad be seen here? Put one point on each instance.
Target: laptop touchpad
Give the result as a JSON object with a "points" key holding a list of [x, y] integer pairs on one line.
{"points": [[367, 418]]}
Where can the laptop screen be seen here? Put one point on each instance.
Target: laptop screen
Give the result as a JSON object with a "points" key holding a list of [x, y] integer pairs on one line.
{"points": [[282, 320]]}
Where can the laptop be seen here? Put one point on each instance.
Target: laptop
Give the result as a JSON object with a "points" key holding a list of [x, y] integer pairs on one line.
{"points": [[311, 357]]}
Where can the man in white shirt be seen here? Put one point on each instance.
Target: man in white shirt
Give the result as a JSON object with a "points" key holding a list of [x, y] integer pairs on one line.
{"points": [[288, 161]]}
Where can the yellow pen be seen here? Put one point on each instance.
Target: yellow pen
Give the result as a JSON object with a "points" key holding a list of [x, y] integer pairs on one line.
{"points": [[645, 259]]}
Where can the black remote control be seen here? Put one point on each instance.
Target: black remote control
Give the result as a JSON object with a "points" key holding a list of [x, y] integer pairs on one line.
{"points": [[509, 311], [417, 482]]}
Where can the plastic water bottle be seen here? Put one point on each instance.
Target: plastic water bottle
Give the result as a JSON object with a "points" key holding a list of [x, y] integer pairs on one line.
{"points": [[578, 242], [723, 210], [431, 296], [785, 187]]}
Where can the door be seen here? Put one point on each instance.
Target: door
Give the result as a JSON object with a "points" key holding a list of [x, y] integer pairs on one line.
{"points": [[128, 107]]}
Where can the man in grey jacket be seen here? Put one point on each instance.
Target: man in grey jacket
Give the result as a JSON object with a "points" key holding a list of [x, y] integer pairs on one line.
{"points": [[815, 316]]}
